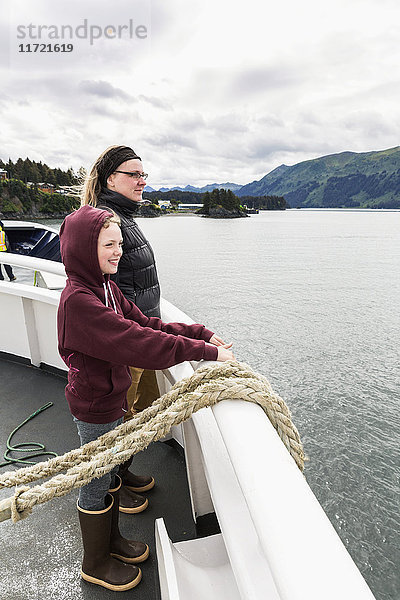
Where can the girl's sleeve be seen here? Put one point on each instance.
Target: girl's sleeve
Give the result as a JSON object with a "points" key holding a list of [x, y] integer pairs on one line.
{"points": [[96, 330], [132, 312]]}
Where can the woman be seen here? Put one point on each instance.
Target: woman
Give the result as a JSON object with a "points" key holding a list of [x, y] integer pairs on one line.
{"points": [[116, 181]]}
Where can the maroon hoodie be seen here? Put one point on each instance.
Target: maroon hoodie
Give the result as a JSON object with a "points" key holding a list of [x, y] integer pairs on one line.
{"points": [[100, 332]]}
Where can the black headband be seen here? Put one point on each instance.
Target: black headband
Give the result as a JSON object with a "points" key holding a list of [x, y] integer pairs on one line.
{"points": [[111, 161]]}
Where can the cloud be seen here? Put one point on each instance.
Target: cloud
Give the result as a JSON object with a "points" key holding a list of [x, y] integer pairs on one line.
{"points": [[261, 79], [103, 89], [155, 102], [188, 121], [172, 141], [231, 123], [216, 95]]}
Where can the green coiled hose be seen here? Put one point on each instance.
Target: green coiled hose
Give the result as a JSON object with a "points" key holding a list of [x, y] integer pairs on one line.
{"points": [[32, 448]]}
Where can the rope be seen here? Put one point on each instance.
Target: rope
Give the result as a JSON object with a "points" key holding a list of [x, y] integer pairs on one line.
{"points": [[28, 447], [207, 386]]}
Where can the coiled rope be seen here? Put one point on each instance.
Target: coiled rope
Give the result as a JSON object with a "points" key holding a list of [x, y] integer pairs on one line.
{"points": [[207, 386]]}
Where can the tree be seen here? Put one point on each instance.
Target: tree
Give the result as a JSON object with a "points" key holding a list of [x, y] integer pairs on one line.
{"points": [[81, 176], [221, 199]]}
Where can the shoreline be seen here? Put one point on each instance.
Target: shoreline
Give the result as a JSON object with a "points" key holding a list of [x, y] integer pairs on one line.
{"points": [[61, 216]]}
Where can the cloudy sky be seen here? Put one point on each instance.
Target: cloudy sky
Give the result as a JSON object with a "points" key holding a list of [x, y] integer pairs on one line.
{"points": [[203, 91]]}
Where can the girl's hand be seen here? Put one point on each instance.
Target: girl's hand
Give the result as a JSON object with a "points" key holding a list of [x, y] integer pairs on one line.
{"points": [[225, 354], [218, 342]]}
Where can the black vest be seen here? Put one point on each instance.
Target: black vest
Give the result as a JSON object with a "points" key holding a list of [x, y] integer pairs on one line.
{"points": [[137, 274]]}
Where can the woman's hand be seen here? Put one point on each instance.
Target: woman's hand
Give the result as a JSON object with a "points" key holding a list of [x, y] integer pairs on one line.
{"points": [[218, 342], [225, 354]]}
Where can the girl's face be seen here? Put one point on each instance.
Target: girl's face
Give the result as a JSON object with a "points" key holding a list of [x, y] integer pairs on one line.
{"points": [[124, 183], [109, 248]]}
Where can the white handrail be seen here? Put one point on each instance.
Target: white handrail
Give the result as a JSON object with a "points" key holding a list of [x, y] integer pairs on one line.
{"points": [[294, 533], [21, 225], [33, 263]]}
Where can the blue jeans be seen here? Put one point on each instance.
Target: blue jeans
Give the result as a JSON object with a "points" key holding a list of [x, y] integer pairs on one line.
{"points": [[92, 496]]}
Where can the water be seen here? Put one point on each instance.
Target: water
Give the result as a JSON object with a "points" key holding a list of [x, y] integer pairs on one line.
{"points": [[310, 299]]}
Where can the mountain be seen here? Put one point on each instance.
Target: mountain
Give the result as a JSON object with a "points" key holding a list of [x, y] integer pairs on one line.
{"points": [[347, 179], [234, 187], [187, 188], [206, 188]]}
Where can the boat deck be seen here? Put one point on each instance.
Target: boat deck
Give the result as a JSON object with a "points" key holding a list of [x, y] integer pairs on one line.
{"points": [[41, 555]]}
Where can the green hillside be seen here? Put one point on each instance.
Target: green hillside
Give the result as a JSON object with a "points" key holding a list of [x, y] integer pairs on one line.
{"points": [[348, 179], [18, 200]]}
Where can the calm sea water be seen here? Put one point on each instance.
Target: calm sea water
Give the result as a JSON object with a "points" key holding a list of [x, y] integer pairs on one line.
{"points": [[310, 299]]}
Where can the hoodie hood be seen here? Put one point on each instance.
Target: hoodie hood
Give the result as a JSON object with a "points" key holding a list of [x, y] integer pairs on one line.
{"points": [[79, 235]]}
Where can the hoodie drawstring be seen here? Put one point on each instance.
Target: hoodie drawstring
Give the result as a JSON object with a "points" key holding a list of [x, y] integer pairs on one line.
{"points": [[112, 297], [107, 289]]}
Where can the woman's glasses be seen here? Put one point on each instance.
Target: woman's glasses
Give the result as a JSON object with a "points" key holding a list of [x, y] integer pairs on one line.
{"points": [[134, 174]]}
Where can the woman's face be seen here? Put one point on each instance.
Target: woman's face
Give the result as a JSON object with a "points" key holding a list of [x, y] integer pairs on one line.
{"points": [[124, 184]]}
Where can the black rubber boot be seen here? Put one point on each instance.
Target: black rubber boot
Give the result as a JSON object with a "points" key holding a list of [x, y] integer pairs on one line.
{"points": [[128, 551], [98, 566]]}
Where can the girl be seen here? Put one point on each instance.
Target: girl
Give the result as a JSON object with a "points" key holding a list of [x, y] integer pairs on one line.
{"points": [[100, 332]]}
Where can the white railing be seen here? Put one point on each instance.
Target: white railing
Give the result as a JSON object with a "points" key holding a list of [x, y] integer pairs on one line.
{"points": [[21, 225], [275, 542], [29, 314], [32, 263]]}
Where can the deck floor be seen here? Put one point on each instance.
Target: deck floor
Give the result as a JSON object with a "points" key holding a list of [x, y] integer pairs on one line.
{"points": [[40, 556]]}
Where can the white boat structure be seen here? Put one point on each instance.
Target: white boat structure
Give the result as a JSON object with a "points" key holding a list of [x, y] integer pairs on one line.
{"points": [[276, 543]]}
